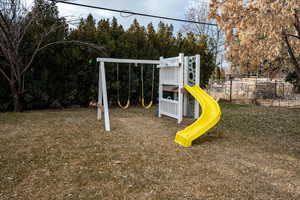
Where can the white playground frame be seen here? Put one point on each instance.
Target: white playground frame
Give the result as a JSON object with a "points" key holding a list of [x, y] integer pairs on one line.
{"points": [[102, 91], [172, 72], [175, 72]]}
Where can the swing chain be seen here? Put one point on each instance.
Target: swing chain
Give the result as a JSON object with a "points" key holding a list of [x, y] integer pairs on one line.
{"points": [[119, 85], [152, 88]]}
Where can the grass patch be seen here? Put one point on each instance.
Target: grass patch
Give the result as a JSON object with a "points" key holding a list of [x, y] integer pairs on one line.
{"points": [[253, 153]]}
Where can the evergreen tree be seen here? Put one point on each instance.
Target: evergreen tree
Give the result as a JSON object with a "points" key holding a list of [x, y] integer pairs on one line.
{"points": [[62, 76]]}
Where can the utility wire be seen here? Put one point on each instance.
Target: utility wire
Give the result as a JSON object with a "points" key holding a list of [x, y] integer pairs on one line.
{"points": [[134, 13]]}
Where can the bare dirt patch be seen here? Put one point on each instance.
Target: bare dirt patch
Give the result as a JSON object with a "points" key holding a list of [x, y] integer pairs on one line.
{"points": [[254, 153]]}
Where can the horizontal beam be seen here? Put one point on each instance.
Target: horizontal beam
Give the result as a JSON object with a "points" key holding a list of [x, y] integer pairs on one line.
{"points": [[134, 61]]}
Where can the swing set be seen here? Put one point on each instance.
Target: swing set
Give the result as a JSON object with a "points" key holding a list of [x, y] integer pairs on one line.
{"points": [[102, 104], [124, 107], [173, 74], [178, 77]]}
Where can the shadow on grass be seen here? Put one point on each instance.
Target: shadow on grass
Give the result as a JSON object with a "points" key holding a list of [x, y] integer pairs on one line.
{"points": [[228, 104], [210, 137]]}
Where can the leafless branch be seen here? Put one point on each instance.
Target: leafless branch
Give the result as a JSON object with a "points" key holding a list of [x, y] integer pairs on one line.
{"points": [[4, 74], [96, 47], [15, 22], [3, 28], [26, 26], [294, 36]]}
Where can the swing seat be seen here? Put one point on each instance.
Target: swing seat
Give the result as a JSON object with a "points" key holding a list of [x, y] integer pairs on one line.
{"points": [[128, 100], [93, 104], [124, 107], [146, 106], [142, 79]]}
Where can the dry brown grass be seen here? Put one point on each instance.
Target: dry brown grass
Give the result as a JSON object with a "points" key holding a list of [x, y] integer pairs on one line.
{"points": [[254, 153]]}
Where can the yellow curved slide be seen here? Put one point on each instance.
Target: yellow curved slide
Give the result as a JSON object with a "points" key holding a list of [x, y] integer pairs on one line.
{"points": [[210, 116]]}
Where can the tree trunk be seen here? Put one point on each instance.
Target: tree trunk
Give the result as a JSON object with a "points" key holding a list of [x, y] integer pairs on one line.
{"points": [[17, 97], [294, 62]]}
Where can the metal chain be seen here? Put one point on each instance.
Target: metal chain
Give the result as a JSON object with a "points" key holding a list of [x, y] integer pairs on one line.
{"points": [[118, 90]]}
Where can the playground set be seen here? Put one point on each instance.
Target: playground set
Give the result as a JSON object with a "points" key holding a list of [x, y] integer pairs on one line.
{"points": [[178, 76]]}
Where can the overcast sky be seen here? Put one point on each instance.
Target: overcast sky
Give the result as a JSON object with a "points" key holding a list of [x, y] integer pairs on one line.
{"points": [[169, 8], [166, 8]]}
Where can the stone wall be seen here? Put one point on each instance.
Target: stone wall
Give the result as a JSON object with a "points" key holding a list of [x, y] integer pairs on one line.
{"points": [[260, 91]]}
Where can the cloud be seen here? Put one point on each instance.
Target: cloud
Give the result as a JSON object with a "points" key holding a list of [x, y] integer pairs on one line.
{"points": [[81, 12]]}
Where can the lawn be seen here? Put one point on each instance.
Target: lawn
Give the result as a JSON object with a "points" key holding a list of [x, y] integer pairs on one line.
{"points": [[253, 153]]}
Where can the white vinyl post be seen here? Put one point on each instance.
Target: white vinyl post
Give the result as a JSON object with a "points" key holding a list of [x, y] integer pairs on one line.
{"points": [[160, 89], [185, 76], [99, 103], [104, 93], [197, 82], [180, 94]]}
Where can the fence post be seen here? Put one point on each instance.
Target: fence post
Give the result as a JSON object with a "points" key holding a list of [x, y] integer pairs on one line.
{"points": [[283, 90], [230, 94], [275, 89]]}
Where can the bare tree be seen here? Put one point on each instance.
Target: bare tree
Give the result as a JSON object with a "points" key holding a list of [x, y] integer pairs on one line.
{"points": [[198, 10], [15, 21]]}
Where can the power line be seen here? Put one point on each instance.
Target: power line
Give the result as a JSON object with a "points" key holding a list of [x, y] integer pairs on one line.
{"points": [[134, 13]]}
